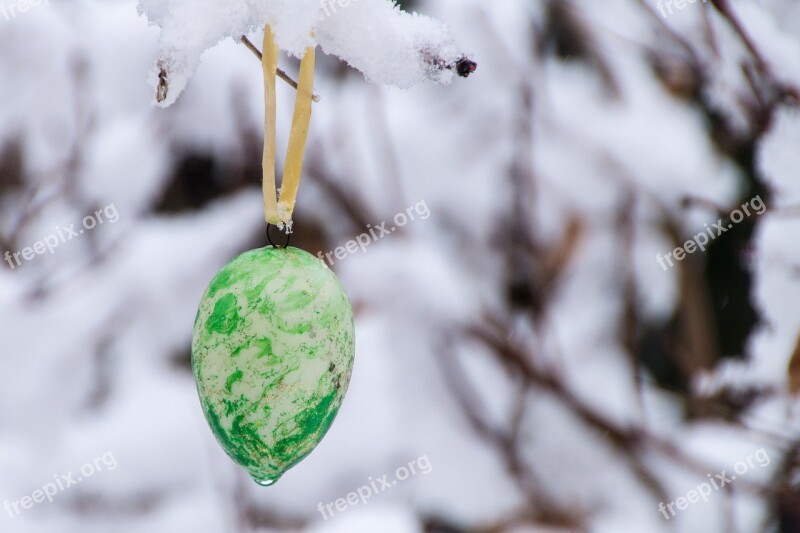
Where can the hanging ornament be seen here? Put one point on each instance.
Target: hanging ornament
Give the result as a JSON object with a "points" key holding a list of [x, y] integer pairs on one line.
{"points": [[273, 343]]}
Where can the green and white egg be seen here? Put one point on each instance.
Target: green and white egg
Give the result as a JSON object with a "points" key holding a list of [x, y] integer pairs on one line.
{"points": [[272, 354]]}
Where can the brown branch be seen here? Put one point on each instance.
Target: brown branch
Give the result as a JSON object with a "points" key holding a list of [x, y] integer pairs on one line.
{"points": [[544, 508], [354, 208], [632, 440]]}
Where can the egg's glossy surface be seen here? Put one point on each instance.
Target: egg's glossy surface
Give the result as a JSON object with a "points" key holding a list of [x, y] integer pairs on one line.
{"points": [[272, 355]]}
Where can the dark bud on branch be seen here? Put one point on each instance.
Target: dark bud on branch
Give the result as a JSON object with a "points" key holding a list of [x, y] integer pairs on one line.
{"points": [[465, 67]]}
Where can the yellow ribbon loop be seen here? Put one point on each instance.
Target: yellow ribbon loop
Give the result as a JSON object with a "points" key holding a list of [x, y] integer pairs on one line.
{"points": [[297, 137], [269, 64], [280, 212]]}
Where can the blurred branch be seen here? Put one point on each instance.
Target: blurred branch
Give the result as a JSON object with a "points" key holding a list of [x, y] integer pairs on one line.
{"points": [[629, 327], [354, 208], [507, 442], [632, 440]]}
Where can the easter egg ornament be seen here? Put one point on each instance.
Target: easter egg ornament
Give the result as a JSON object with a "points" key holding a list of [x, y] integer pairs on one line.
{"points": [[273, 342]]}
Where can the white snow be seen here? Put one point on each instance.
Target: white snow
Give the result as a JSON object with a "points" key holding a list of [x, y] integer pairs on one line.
{"points": [[374, 36], [115, 308]]}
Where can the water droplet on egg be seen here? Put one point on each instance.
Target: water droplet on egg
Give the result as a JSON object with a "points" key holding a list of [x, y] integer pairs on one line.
{"points": [[266, 482]]}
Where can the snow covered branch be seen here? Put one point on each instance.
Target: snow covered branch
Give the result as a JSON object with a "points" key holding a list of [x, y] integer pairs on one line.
{"points": [[388, 45]]}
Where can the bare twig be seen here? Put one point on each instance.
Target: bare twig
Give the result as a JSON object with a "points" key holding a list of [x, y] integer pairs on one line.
{"points": [[632, 440]]}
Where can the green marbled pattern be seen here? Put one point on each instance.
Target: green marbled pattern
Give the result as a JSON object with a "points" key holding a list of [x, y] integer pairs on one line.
{"points": [[272, 355]]}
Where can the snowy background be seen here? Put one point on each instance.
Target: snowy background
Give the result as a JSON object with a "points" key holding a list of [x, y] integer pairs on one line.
{"points": [[522, 337]]}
